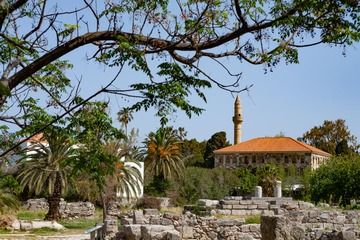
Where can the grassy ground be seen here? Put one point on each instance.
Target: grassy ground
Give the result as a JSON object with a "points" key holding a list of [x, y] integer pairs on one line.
{"points": [[23, 214], [83, 223], [249, 219], [73, 226]]}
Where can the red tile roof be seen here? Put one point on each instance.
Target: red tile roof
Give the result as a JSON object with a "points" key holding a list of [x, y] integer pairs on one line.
{"points": [[273, 145], [37, 138]]}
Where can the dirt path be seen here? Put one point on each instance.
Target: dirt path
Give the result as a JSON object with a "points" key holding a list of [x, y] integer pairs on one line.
{"points": [[37, 237]]}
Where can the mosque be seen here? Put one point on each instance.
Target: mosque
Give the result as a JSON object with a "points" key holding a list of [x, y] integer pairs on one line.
{"points": [[258, 151]]}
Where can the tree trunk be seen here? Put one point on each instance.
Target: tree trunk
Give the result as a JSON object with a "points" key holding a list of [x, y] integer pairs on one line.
{"points": [[54, 201], [104, 203]]}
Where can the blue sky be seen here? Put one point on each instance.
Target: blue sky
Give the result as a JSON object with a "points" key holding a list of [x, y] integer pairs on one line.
{"points": [[291, 99]]}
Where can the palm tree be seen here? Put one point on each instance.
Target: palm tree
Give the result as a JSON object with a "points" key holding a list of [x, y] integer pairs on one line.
{"points": [[163, 154], [127, 167], [126, 180], [125, 116], [45, 168], [267, 175], [7, 201]]}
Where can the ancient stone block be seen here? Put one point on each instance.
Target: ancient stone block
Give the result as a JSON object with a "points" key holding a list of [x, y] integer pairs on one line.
{"points": [[138, 217], [15, 225], [245, 228], [230, 202], [246, 202], [172, 216], [275, 228], [227, 206], [233, 198], [267, 212], [257, 202], [324, 217], [151, 211], [255, 212], [252, 206], [212, 235], [166, 221], [126, 220], [239, 206], [155, 220], [263, 206], [272, 207], [159, 232], [239, 212], [25, 225], [187, 232], [347, 235], [340, 219], [258, 191], [277, 190], [230, 222], [110, 226], [131, 232], [207, 202]]}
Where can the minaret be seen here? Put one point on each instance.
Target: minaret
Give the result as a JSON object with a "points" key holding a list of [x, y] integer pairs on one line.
{"points": [[237, 120]]}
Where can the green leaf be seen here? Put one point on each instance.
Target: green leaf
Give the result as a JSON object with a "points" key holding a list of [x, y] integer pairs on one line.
{"points": [[4, 90]]}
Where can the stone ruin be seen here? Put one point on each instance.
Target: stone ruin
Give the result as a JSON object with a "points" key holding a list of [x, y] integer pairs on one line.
{"points": [[282, 218], [288, 222], [67, 209]]}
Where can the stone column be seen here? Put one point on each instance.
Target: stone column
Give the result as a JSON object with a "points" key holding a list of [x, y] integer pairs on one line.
{"points": [[277, 190], [258, 191]]}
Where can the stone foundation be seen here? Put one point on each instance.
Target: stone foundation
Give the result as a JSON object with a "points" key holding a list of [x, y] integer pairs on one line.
{"points": [[139, 223], [281, 219], [67, 210]]}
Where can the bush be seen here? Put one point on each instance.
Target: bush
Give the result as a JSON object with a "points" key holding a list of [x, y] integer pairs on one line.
{"points": [[254, 219], [207, 183], [10, 183], [158, 186], [337, 181], [247, 182], [148, 202]]}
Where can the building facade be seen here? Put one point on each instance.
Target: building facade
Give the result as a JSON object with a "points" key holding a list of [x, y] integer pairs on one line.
{"points": [[255, 152], [283, 151]]}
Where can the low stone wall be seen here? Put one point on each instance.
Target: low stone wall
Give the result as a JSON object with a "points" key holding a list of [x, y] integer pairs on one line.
{"points": [[278, 227], [257, 206], [186, 226], [26, 225], [281, 219], [67, 210]]}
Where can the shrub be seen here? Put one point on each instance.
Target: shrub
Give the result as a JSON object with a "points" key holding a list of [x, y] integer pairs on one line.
{"points": [[247, 181], [337, 181], [158, 186], [149, 202], [207, 183], [255, 219]]}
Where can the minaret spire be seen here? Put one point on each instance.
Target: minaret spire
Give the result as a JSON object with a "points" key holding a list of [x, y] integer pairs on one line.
{"points": [[237, 120]]}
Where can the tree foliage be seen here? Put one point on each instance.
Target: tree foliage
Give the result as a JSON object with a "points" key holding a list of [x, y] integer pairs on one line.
{"points": [[46, 168], [207, 183], [247, 182], [333, 137], [163, 154], [267, 175], [127, 177], [8, 201], [193, 152], [36, 35], [124, 117], [217, 141], [337, 180]]}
